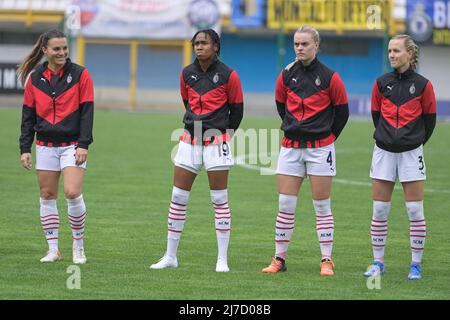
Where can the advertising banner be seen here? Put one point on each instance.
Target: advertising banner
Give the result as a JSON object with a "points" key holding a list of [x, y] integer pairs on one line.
{"points": [[139, 19], [428, 21], [9, 84]]}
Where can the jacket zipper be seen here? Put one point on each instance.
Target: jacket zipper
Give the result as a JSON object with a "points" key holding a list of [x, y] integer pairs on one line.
{"points": [[54, 106], [398, 107], [303, 110], [396, 127], [201, 105]]}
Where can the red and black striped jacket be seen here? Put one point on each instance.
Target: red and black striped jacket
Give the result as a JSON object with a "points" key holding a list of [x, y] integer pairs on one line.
{"points": [[403, 111], [59, 108], [213, 97], [312, 102]]}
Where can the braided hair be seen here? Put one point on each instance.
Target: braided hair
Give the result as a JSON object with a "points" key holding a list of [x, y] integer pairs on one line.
{"points": [[212, 34], [36, 54], [410, 46]]}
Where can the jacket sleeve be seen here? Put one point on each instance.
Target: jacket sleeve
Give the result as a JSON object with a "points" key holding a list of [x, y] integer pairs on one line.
{"points": [[86, 110], [429, 110], [28, 119], [338, 97], [280, 96], [376, 104], [235, 100], [183, 90]]}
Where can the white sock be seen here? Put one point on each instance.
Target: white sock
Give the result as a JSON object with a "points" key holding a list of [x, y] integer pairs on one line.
{"points": [[219, 199], [176, 219], [379, 229], [284, 224], [76, 209], [417, 229], [50, 222], [324, 226]]}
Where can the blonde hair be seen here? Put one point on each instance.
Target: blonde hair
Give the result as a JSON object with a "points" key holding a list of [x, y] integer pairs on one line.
{"points": [[410, 46], [312, 31]]}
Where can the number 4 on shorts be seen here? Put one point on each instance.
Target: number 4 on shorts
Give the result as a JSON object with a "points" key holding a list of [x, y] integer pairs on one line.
{"points": [[330, 159]]}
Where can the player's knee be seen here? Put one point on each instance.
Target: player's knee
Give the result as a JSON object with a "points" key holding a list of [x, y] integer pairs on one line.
{"points": [[219, 196], [72, 193], [322, 207], [415, 210], [381, 210], [48, 194]]}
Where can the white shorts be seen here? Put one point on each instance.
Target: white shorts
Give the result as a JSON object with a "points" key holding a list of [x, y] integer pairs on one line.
{"points": [[56, 158], [407, 166], [307, 161], [213, 157]]}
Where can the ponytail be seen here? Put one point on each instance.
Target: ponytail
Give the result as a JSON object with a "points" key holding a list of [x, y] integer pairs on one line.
{"points": [[35, 56]]}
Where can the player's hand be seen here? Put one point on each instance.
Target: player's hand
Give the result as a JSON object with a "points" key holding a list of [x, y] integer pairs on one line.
{"points": [[25, 159], [80, 156]]}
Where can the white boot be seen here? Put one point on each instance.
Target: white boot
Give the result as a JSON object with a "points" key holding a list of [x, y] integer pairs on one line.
{"points": [[52, 256], [78, 255], [165, 262]]}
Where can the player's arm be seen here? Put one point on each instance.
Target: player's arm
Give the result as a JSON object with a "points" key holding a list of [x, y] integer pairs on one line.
{"points": [[28, 119], [429, 110], [376, 104], [280, 96], [338, 97], [235, 100], [86, 110], [27, 126], [183, 90]]}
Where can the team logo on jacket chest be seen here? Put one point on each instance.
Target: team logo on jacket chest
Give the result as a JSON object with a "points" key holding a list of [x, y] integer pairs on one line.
{"points": [[318, 82], [412, 89], [69, 78], [216, 78]]}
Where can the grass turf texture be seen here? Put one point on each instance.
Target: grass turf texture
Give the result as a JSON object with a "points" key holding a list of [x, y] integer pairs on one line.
{"points": [[127, 191]]}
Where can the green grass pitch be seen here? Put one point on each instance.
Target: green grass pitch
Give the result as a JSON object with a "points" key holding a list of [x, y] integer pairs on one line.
{"points": [[127, 191]]}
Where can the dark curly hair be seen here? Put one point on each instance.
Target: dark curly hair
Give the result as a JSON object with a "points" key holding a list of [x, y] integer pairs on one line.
{"points": [[212, 34]]}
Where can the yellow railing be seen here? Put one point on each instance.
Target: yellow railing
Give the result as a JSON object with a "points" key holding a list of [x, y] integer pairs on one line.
{"points": [[333, 15], [185, 46]]}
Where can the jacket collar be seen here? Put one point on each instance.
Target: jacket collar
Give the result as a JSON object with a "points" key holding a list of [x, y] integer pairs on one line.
{"points": [[214, 61], [310, 66], [403, 75], [42, 67]]}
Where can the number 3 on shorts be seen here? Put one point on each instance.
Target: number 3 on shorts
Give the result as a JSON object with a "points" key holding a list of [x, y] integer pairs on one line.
{"points": [[421, 164]]}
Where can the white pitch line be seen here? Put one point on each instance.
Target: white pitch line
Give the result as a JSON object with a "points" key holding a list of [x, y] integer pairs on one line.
{"points": [[240, 161]]}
